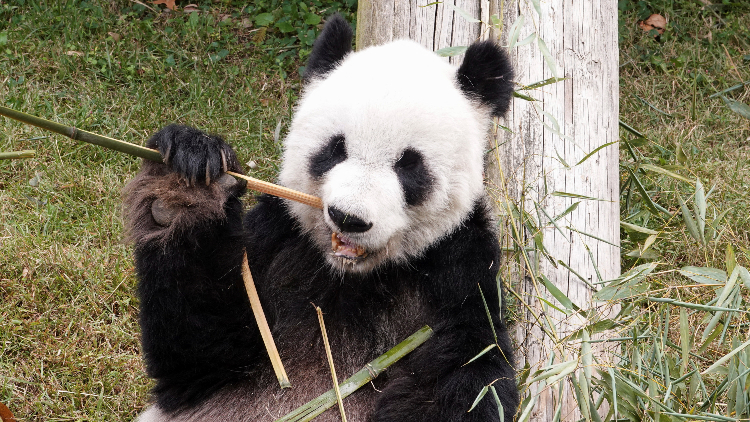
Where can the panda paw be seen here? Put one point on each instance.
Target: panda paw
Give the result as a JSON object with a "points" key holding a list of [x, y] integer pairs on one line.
{"points": [[196, 156]]}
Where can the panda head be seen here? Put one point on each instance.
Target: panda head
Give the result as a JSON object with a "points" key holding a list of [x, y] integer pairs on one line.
{"points": [[392, 139]]}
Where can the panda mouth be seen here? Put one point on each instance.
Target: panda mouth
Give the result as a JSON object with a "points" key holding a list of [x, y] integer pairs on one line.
{"points": [[343, 247]]}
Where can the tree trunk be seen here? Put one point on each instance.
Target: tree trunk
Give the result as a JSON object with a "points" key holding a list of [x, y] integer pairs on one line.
{"points": [[536, 165]]}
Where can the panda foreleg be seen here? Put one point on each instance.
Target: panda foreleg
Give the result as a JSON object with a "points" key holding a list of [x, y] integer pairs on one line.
{"points": [[185, 220]]}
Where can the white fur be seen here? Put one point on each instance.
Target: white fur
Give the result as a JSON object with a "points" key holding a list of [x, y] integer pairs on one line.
{"points": [[385, 99]]}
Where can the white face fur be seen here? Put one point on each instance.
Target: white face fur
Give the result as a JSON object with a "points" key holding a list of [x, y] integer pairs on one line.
{"points": [[381, 102]]}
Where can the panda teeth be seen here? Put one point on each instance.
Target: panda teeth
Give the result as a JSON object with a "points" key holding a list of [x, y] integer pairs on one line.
{"points": [[343, 247]]}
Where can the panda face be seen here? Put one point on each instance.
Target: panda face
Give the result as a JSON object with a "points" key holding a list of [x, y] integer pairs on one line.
{"points": [[393, 147]]}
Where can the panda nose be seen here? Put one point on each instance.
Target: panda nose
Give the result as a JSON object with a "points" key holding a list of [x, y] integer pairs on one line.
{"points": [[348, 222]]}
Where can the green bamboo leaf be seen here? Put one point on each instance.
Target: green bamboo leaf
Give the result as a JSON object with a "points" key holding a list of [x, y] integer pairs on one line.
{"points": [[706, 417], [740, 108], [595, 151], [700, 204], [652, 389], [583, 399], [537, 7], [665, 172], [687, 217], [619, 291], [500, 408], [728, 287], [704, 275], [593, 236], [639, 229], [652, 106], [730, 259], [551, 220], [562, 160], [681, 157], [553, 373], [547, 56], [631, 130], [568, 210], [614, 391], [515, 30], [487, 310], [586, 356], [451, 51], [480, 354], [711, 337], [685, 338], [528, 40], [528, 408], [479, 397], [716, 221], [707, 308], [523, 97], [725, 358], [558, 294], [595, 328], [577, 196], [744, 276], [644, 195]]}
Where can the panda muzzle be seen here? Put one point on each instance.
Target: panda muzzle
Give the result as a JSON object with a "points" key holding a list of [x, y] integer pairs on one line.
{"points": [[343, 247]]}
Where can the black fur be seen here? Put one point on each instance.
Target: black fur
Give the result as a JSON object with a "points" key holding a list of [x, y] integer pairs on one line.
{"points": [[333, 43], [332, 153], [486, 74], [414, 175]]}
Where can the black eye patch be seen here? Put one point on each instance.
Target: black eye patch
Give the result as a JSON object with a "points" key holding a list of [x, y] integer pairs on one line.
{"points": [[331, 154], [416, 180]]}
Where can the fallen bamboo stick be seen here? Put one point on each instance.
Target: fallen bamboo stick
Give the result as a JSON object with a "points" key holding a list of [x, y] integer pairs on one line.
{"points": [[15, 155], [151, 154]]}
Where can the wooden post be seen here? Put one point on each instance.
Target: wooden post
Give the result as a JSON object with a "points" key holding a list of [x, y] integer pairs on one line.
{"points": [[536, 164]]}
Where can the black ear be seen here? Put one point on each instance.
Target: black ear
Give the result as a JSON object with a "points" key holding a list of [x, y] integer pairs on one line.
{"points": [[333, 43], [487, 76]]}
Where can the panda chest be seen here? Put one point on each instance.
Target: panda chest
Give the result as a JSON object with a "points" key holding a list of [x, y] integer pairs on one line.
{"points": [[354, 341]]}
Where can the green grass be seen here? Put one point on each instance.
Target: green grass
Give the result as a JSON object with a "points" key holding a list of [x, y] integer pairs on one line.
{"points": [[69, 338], [69, 342]]}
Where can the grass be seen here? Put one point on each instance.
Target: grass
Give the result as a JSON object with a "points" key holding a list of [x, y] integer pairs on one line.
{"points": [[69, 343]]}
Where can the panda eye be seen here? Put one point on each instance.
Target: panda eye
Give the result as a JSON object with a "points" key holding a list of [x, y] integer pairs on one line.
{"points": [[410, 160], [331, 154]]}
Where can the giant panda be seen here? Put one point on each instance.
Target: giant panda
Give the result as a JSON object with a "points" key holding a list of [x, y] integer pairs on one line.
{"points": [[392, 139]]}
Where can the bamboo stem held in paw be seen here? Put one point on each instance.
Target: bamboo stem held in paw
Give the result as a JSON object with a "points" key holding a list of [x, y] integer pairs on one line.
{"points": [[265, 331], [150, 154], [330, 362]]}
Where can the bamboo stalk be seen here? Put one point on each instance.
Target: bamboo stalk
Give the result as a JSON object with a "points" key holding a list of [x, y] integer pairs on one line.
{"points": [[265, 331], [318, 405], [330, 362], [14, 155], [151, 154]]}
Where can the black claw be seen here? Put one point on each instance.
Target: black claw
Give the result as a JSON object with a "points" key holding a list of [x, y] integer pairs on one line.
{"points": [[196, 156]]}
